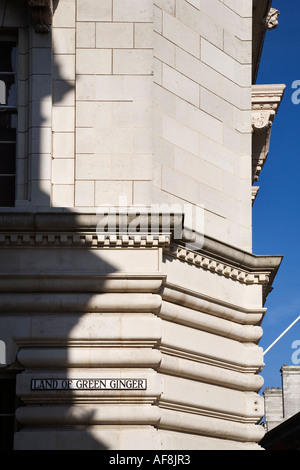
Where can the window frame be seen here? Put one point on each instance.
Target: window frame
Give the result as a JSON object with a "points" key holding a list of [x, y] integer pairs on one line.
{"points": [[13, 110]]}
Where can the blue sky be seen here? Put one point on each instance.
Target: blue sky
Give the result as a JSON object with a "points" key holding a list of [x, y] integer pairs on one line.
{"points": [[276, 223]]}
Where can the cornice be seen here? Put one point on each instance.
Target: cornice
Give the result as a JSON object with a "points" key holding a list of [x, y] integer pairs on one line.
{"points": [[79, 230], [267, 97], [83, 240], [266, 100], [211, 264]]}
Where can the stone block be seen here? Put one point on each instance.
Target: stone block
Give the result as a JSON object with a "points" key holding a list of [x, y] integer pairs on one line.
{"points": [[93, 167], [133, 62], [209, 29], [63, 119], [94, 10], [131, 167], [143, 35], [132, 114], [225, 64], [114, 35], [63, 40], [63, 171], [218, 108], [114, 140], [143, 140], [88, 113], [201, 170], [85, 140], [180, 185], [94, 61], [86, 34], [202, 122], [217, 154], [180, 135], [180, 85], [181, 35], [133, 10], [65, 14], [84, 193], [112, 192], [164, 50], [63, 195], [63, 93], [63, 145], [111, 88], [41, 166], [237, 49], [41, 140], [64, 67], [243, 9]]}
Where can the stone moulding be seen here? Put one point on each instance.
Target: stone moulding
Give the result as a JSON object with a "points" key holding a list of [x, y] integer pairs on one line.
{"points": [[207, 322], [162, 417], [91, 415], [56, 302], [88, 239], [205, 304], [95, 357], [79, 230], [209, 373], [91, 283], [89, 357], [213, 265]]}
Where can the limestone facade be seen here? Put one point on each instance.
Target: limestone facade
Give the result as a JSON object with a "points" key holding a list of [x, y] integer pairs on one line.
{"points": [[128, 323]]}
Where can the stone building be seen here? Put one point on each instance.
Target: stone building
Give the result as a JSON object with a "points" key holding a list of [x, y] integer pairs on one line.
{"points": [[282, 412], [132, 137], [283, 403]]}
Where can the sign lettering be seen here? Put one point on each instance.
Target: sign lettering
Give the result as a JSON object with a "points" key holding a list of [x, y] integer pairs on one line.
{"points": [[88, 384]]}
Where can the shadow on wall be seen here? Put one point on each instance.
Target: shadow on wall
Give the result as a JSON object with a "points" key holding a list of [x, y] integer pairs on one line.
{"points": [[51, 283]]}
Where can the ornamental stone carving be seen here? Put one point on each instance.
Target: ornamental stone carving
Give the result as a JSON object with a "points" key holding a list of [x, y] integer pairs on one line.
{"points": [[262, 120], [272, 19], [41, 14]]}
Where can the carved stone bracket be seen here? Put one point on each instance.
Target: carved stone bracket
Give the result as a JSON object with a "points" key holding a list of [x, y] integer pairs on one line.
{"points": [[265, 103], [271, 20], [41, 14], [262, 120]]}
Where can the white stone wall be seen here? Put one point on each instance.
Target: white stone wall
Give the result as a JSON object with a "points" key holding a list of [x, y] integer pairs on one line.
{"points": [[79, 308], [114, 65], [143, 100], [148, 101], [202, 76]]}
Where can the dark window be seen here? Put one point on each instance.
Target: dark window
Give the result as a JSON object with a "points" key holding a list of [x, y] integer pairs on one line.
{"points": [[7, 412], [8, 121]]}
